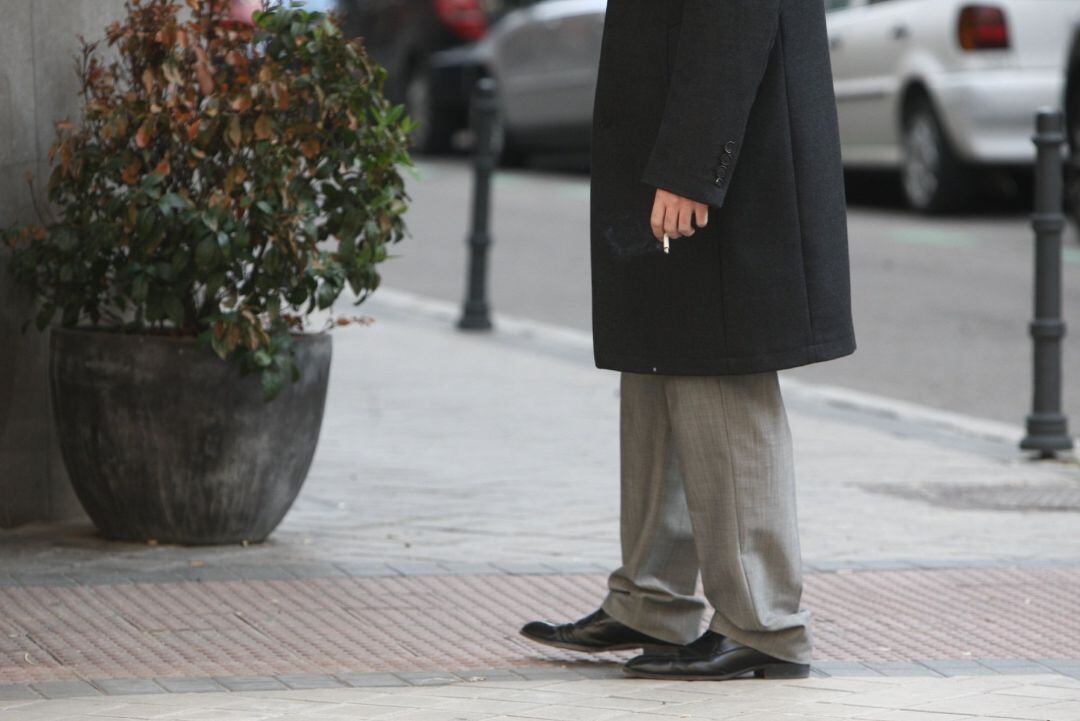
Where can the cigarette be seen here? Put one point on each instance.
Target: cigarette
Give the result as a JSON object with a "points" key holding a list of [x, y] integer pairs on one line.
{"points": [[667, 243]]}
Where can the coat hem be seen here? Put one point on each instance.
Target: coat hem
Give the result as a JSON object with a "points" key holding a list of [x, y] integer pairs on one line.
{"points": [[728, 366]]}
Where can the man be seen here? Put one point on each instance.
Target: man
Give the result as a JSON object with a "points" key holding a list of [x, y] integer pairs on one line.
{"points": [[719, 256]]}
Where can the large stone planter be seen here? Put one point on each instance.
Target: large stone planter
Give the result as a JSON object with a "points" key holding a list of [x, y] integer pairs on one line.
{"points": [[163, 440]]}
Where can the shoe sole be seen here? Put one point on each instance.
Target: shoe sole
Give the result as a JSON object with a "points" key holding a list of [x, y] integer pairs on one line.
{"points": [[767, 672], [652, 649]]}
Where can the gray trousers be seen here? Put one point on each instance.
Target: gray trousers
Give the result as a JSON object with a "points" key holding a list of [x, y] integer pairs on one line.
{"points": [[708, 485]]}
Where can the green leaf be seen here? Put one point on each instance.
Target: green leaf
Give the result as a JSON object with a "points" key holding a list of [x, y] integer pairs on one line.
{"points": [[219, 347], [327, 294], [139, 288], [174, 309], [273, 382], [171, 202], [206, 253], [262, 358]]}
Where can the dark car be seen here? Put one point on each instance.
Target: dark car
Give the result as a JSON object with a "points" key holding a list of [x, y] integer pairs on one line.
{"points": [[1072, 125], [408, 37]]}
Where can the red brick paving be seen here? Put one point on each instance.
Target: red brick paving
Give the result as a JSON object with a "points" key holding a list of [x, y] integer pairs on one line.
{"points": [[335, 625]]}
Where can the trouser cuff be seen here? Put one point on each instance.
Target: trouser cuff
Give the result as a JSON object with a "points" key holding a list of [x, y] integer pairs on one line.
{"points": [[792, 644], [678, 621]]}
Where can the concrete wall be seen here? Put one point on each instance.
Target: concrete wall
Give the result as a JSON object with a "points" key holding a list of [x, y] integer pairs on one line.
{"points": [[38, 43]]}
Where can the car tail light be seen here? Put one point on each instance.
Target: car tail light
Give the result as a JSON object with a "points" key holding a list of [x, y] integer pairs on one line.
{"points": [[983, 27], [464, 18]]}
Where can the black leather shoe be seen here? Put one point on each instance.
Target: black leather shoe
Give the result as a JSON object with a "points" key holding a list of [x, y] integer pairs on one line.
{"points": [[595, 633], [713, 658]]}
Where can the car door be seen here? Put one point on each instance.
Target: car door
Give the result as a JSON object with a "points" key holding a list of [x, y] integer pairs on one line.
{"points": [[546, 59], [868, 39], [840, 16]]}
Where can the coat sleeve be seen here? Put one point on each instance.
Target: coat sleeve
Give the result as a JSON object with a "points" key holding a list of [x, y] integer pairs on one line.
{"points": [[724, 46]]}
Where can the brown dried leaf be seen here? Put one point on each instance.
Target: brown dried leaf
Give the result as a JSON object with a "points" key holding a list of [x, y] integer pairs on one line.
{"points": [[145, 134], [236, 134], [232, 338], [131, 173], [206, 78], [172, 74], [263, 128]]}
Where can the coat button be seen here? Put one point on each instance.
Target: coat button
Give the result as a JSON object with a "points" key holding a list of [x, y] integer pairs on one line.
{"points": [[729, 147], [718, 181], [724, 162]]}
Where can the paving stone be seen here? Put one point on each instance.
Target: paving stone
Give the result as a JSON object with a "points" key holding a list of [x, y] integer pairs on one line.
{"points": [[249, 683], [43, 579], [958, 667], [845, 668], [208, 573], [282, 572], [312, 570], [570, 567], [901, 668], [100, 578], [523, 569], [161, 576], [465, 568], [489, 674], [364, 570], [16, 692], [547, 673], [118, 686], [1014, 665], [312, 681], [260, 572], [418, 568], [64, 689], [189, 684], [600, 672], [363, 680], [422, 678]]}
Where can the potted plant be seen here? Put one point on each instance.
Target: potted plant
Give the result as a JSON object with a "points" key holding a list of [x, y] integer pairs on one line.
{"points": [[224, 183]]}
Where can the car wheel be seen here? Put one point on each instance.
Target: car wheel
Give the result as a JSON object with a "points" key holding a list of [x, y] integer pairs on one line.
{"points": [[434, 130], [934, 178]]}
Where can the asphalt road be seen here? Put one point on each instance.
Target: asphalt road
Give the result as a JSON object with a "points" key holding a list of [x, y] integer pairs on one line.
{"points": [[941, 304]]}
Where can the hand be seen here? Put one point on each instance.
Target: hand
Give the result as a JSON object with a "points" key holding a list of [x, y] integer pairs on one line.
{"points": [[675, 215]]}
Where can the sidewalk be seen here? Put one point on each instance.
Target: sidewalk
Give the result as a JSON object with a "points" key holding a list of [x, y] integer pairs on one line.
{"points": [[466, 483]]}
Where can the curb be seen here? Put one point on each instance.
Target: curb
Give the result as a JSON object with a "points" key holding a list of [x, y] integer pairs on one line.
{"points": [[953, 430]]}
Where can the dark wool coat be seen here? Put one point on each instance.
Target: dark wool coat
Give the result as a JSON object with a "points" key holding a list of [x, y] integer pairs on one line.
{"points": [[730, 103]]}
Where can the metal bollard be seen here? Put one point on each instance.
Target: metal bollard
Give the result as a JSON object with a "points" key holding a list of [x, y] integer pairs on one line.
{"points": [[476, 314], [1047, 426]]}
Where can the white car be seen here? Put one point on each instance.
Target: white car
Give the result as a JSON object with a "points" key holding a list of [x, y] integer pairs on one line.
{"points": [[938, 88]]}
